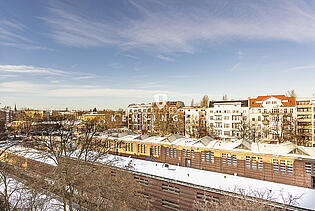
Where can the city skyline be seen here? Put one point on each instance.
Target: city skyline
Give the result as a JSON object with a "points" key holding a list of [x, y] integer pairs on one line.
{"points": [[109, 54]]}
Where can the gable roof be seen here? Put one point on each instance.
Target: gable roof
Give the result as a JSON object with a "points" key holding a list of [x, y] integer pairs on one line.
{"points": [[285, 101], [143, 136], [205, 140], [244, 144], [298, 151], [172, 138]]}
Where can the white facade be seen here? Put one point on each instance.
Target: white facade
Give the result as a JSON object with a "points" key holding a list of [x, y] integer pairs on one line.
{"points": [[225, 117], [269, 117]]}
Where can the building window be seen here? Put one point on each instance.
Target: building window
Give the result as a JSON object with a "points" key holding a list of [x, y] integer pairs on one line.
{"points": [[170, 188], [202, 156], [205, 197], [234, 160], [138, 148], [227, 133], [184, 153], [174, 152], [192, 153], [141, 181], [207, 157], [212, 157], [159, 150], [155, 150], [282, 167], [229, 160], [260, 164], [276, 166], [131, 147], [290, 167], [166, 152], [254, 163], [223, 157], [187, 153], [171, 152], [170, 205], [247, 162], [144, 148], [308, 168]]}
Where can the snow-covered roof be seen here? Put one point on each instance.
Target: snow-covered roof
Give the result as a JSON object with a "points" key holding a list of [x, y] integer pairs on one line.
{"points": [[29, 153], [284, 149], [206, 179], [220, 181]]}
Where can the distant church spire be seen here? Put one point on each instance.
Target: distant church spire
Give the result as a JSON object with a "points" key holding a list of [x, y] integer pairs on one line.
{"points": [[15, 108]]}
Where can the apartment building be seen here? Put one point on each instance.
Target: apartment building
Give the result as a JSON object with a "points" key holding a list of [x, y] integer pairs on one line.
{"points": [[272, 117], [305, 120], [153, 118], [225, 117], [139, 117], [195, 121]]}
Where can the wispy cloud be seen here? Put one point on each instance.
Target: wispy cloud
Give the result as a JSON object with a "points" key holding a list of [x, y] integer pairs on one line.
{"points": [[165, 28], [166, 58], [12, 34], [6, 76], [234, 67], [20, 87], [30, 70], [151, 84], [180, 76], [74, 29], [26, 46], [68, 90], [12, 30], [84, 76], [301, 68], [130, 56]]}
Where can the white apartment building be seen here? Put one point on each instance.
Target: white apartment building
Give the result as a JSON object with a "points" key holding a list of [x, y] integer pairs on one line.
{"points": [[224, 117], [271, 117]]}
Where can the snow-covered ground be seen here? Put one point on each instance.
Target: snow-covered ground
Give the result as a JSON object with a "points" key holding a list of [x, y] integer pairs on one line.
{"points": [[22, 196]]}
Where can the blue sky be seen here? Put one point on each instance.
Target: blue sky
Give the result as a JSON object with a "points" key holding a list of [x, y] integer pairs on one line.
{"points": [[108, 54]]}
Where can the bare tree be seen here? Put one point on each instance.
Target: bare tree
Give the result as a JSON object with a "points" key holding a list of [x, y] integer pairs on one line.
{"points": [[205, 101], [291, 93], [283, 127], [243, 129], [70, 154], [252, 200]]}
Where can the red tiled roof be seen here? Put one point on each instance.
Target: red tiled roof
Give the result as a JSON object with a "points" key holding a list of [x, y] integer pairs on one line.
{"points": [[255, 102]]}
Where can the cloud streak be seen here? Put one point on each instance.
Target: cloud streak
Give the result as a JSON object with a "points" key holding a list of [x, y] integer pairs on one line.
{"points": [[165, 28], [64, 90], [24, 69], [301, 68], [166, 58], [13, 34]]}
